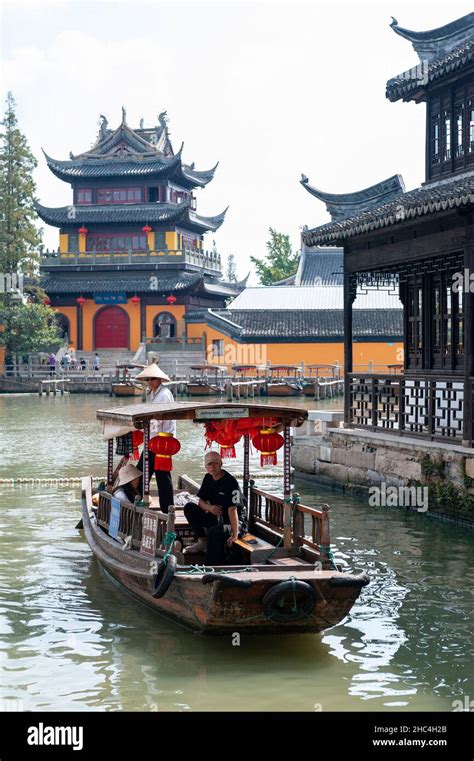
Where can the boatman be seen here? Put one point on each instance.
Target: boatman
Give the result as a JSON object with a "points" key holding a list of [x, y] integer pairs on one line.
{"points": [[157, 393]]}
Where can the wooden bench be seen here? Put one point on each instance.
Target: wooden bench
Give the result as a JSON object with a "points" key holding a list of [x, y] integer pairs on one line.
{"points": [[256, 550]]}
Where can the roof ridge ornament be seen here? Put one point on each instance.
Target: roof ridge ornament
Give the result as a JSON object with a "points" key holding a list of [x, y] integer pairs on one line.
{"points": [[124, 116], [344, 205]]}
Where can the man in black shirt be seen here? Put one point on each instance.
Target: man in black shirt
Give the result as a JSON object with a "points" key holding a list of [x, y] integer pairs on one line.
{"points": [[219, 511]]}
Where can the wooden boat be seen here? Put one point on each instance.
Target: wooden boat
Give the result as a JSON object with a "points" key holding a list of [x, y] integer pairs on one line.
{"points": [[206, 380], [123, 384], [282, 581], [284, 380], [316, 373]]}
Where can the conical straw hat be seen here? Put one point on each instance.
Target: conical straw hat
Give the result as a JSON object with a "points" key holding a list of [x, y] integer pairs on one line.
{"points": [[152, 371]]}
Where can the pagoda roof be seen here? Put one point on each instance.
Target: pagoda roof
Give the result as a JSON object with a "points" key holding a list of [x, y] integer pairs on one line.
{"points": [[125, 152], [344, 205], [137, 282], [431, 198], [160, 213], [441, 51]]}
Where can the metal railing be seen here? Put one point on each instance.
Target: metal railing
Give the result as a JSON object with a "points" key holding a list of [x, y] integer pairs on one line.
{"points": [[208, 259]]}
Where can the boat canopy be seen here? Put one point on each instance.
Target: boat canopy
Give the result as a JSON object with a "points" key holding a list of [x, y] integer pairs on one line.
{"points": [[120, 420], [214, 368]]}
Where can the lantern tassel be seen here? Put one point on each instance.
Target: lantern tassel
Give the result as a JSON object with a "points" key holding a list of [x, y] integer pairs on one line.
{"points": [[268, 458], [163, 462], [228, 452]]}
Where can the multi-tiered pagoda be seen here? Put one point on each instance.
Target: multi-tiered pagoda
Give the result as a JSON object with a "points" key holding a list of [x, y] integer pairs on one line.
{"points": [[131, 258]]}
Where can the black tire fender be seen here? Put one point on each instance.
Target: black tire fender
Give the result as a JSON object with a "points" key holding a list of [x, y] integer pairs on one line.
{"points": [[272, 596], [163, 577]]}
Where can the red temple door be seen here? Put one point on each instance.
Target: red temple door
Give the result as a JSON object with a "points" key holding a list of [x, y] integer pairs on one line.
{"points": [[112, 329]]}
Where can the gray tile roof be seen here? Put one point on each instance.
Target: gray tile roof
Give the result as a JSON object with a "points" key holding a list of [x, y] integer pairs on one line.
{"points": [[327, 324], [160, 213], [431, 198], [113, 167], [118, 282], [320, 267], [308, 298]]}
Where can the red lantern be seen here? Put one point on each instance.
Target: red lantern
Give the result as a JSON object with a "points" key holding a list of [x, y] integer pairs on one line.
{"points": [[135, 299], [164, 446], [46, 302], [83, 230], [146, 229], [227, 444], [137, 439], [81, 300], [268, 442], [171, 300]]}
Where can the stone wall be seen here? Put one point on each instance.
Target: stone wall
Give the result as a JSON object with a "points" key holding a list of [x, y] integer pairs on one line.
{"points": [[361, 460]]}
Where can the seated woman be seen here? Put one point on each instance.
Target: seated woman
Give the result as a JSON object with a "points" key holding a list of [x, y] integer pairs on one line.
{"points": [[129, 483], [219, 512]]}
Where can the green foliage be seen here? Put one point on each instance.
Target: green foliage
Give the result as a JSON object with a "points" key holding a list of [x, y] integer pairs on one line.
{"points": [[281, 262], [29, 327], [19, 236], [431, 467]]}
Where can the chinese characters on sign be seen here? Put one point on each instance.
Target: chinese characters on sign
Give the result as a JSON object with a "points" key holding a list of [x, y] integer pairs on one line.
{"points": [[149, 533]]}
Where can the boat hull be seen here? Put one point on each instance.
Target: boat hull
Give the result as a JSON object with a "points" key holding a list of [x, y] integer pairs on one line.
{"points": [[282, 389], [214, 606], [124, 389], [309, 389], [202, 389]]}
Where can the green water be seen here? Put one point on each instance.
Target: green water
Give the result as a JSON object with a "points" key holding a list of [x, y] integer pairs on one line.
{"points": [[69, 640]]}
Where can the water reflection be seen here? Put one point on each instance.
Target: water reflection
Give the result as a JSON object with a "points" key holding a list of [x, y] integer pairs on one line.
{"points": [[71, 640]]}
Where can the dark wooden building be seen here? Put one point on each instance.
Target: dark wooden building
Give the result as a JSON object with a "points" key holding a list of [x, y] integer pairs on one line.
{"points": [[131, 259], [420, 244]]}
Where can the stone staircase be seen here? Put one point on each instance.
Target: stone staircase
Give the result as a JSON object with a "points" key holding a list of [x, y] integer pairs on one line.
{"points": [[177, 363], [108, 358]]}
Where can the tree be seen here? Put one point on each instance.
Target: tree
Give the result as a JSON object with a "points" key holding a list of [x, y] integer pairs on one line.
{"points": [[231, 273], [29, 327], [19, 236], [281, 262]]}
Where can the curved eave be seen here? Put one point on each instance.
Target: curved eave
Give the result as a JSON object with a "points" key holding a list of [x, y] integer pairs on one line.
{"points": [[366, 195], [111, 167], [206, 223], [407, 208], [112, 214], [451, 30], [198, 178]]}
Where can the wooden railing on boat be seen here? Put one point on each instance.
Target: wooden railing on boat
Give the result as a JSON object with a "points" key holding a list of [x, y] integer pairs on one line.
{"points": [[131, 521], [267, 514]]}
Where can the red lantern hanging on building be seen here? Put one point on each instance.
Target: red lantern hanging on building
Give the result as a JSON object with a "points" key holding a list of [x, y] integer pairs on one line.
{"points": [[268, 442], [80, 300], [171, 300], [135, 299], [83, 230], [164, 446], [46, 301], [146, 229]]}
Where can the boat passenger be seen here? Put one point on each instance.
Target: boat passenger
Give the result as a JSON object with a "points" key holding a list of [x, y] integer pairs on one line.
{"points": [[219, 512], [158, 394], [129, 483]]}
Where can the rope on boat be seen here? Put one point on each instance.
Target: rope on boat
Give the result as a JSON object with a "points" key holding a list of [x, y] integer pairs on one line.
{"points": [[326, 548], [168, 541]]}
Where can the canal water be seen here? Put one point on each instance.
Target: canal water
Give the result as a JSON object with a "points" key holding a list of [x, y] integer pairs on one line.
{"points": [[71, 641]]}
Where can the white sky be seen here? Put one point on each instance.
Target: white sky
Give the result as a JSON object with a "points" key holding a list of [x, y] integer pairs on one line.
{"points": [[271, 90]]}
